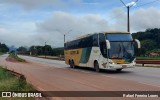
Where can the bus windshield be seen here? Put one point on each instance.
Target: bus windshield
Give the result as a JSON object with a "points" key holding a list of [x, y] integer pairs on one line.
{"points": [[121, 46], [119, 37]]}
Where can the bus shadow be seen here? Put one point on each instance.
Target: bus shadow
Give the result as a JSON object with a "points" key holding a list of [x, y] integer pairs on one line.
{"points": [[115, 72], [103, 71]]}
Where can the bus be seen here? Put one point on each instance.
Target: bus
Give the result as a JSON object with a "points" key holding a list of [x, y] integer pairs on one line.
{"points": [[104, 50]]}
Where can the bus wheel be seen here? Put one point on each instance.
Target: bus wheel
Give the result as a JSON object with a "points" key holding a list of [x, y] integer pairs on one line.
{"points": [[118, 70], [72, 64], [96, 66]]}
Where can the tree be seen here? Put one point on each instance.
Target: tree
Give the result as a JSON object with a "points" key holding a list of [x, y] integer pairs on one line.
{"points": [[148, 45], [22, 50], [150, 40], [58, 51], [47, 50], [41, 50], [3, 48]]}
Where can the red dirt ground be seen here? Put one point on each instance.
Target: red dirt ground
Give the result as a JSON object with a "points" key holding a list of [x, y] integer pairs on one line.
{"points": [[11, 59]]}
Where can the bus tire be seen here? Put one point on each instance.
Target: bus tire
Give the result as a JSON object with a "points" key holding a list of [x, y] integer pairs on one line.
{"points": [[72, 65], [96, 66], [118, 70]]}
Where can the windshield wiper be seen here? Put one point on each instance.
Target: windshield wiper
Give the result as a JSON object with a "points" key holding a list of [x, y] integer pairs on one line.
{"points": [[120, 49]]}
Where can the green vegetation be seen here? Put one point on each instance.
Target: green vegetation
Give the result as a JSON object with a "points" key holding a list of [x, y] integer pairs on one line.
{"points": [[41, 50], [1, 53], [150, 41], [3, 48], [9, 82], [148, 58], [13, 55]]}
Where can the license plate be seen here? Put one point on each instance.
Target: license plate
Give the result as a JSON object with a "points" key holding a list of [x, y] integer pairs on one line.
{"points": [[124, 66]]}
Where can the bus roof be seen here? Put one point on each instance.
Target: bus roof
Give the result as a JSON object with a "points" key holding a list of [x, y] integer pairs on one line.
{"points": [[80, 37], [115, 32], [108, 32], [83, 36]]}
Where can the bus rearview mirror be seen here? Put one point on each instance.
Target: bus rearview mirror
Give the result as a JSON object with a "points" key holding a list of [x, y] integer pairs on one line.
{"points": [[138, 43], [108, 45]]}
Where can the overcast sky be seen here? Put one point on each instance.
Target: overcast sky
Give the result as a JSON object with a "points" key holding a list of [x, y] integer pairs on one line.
{"points": [[33, 22]]}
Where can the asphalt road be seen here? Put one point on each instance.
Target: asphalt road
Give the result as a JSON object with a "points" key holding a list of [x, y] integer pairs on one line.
{"points": [[143, 75], [51, 75]]}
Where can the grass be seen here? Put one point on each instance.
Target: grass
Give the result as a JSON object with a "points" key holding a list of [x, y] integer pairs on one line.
{"points": [[9, 82], [148, 58], [1, 53], [13, 55]]}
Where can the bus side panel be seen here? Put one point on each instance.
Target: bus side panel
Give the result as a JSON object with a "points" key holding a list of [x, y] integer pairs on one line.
{"points": [[95, 55], [92, 55], [74, 55], [77, 56], [85, 55], [66, 56]]}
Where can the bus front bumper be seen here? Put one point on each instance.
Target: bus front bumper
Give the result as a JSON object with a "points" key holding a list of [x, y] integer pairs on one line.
{"points": [[120, 66]]}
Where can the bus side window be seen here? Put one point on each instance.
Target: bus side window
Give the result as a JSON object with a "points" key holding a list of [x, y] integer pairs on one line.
{"points": [[95, 40]]}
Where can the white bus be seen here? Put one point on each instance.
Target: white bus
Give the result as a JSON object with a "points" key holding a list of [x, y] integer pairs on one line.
{"points": [[107, 50]]}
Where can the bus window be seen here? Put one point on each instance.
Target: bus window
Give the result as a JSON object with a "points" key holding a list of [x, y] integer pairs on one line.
{"points": [[95, 40]]}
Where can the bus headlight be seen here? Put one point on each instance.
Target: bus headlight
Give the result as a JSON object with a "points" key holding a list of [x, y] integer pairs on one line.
{"points": [[111, 63]]}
